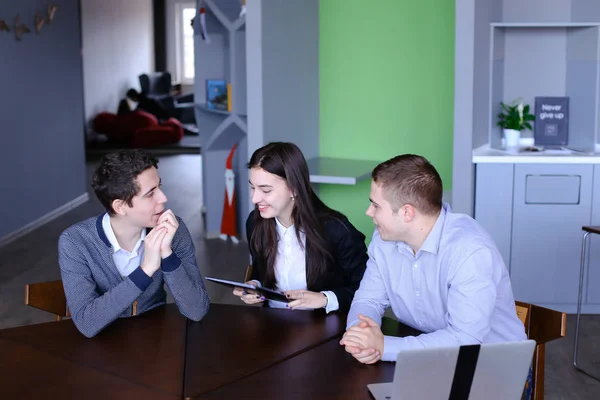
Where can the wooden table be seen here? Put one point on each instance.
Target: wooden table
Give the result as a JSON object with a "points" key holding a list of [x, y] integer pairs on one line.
{"points": [[234, 352], [238, 341], [29, 373], [147, 350], [323, 372]]}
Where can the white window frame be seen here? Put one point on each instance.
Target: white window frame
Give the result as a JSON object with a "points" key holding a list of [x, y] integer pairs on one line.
{"points": [[179, 62]]}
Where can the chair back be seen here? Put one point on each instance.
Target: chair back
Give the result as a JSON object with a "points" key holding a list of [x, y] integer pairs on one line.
{"points": [[522, 314], [156, 83], [48, 296], [248, 273], [542, 325]]}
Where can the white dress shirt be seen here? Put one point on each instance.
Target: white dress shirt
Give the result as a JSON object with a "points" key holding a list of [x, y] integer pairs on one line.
{"points": [[456, 288], [290, 266], [125, 261]]}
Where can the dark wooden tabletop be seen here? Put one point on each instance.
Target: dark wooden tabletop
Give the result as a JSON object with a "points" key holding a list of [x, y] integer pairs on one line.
{"points": [[159, 352], [147, 350], [29, 373], [234, 352], [232, 342], [324, 372]]}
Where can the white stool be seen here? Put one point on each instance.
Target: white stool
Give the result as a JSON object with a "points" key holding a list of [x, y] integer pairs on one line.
{"points": [[587, 230]]}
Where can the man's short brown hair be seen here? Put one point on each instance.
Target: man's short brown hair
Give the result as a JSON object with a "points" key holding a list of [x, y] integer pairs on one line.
{"points": [[410, 179]]}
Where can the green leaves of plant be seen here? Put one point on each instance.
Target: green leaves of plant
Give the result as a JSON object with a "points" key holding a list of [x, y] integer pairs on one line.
{"points": [[509, 118]]}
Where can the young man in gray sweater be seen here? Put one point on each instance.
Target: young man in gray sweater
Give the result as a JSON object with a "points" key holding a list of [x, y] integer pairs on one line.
{"points": [[115, 265]]}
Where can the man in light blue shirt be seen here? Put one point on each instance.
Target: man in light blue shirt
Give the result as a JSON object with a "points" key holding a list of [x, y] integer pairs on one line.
{"points": [[439, 271]]}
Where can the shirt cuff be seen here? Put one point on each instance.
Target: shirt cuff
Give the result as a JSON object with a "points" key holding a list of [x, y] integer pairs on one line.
{"points": [[391, 347], [332, 301], [352, 323], [170, 263], [140, 279]]}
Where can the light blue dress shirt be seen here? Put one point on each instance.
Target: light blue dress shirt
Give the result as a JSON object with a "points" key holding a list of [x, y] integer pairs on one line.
{"points": [[456, 288]]}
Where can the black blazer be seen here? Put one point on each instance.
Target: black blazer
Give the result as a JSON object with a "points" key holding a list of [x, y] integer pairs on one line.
{"points": [[343, 276]]}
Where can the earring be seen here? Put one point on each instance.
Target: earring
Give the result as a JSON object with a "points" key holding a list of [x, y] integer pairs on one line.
{"points": [[292, 197]]}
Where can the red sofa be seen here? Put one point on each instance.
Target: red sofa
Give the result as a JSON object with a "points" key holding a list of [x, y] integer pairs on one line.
{"points": [[138, 129]]}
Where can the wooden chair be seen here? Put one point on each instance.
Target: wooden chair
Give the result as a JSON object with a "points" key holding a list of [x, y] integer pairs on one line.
{"points": [[541, 325], [48, 296], [248, 273]]}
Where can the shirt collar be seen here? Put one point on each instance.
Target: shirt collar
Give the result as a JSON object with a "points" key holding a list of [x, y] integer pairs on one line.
{"points": [[112, 239], [432, 241], [282, 230]]}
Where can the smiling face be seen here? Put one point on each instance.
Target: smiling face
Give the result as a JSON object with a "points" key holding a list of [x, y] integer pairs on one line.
{"points": [[392, 226], [147, 204], [271, 195]]}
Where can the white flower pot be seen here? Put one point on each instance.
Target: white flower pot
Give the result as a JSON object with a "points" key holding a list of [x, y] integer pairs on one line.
{"points": [[512, 138]]}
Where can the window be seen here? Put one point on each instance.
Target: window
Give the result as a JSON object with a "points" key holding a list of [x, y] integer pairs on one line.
{"points": [[185, 42]]}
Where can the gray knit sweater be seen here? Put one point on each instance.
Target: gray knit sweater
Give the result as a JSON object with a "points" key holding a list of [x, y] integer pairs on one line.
{"points": [[97, 294]]}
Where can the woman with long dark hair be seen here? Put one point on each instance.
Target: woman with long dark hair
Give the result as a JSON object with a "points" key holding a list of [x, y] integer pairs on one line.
{"points": [[298, 244]]}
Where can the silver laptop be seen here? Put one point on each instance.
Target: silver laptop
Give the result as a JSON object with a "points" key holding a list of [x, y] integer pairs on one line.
{"points": [[495, 371]]}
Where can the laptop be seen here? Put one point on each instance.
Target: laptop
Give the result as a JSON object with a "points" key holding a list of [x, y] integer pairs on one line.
{"points": [[495, 371]]}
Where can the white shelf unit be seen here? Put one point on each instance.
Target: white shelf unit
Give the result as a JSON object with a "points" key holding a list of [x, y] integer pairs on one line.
{"points": [[270, 56], [476, 21], [222, 56], [546, 59], [543, 24], [339, 171]]}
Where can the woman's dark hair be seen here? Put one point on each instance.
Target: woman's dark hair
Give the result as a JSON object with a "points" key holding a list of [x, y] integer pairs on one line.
{"points": [[287, 161], [115, 176]]}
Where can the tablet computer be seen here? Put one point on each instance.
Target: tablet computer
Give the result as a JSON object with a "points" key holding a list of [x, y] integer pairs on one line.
{"points": [[266, 293]]}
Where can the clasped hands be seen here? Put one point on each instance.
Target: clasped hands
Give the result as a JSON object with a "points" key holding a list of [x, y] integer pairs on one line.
{"points": [[301, 298], [364, 341], [157, 244]]}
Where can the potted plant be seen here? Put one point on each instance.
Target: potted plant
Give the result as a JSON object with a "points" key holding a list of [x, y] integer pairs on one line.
{"points": [[514, 118]]}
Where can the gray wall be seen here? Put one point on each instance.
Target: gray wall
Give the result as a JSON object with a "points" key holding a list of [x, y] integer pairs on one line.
{"points": [[536, 65], [291, 74], [42, 154], [585, 10], [485, 12], [282, 61], [464, 72], [471, 93], [537, 10], [118, 45]]}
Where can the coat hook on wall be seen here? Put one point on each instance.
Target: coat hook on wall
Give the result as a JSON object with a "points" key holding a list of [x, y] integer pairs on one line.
{"points": [[50, 12], [243, 8], [4, 26], [39, 22], [20, 28]]}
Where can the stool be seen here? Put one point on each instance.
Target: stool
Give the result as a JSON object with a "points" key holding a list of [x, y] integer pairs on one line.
{"points": [[587, 230]]}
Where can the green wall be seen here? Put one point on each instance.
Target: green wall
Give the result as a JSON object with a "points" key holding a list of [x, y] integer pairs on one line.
{"points": [[386, 88]]}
